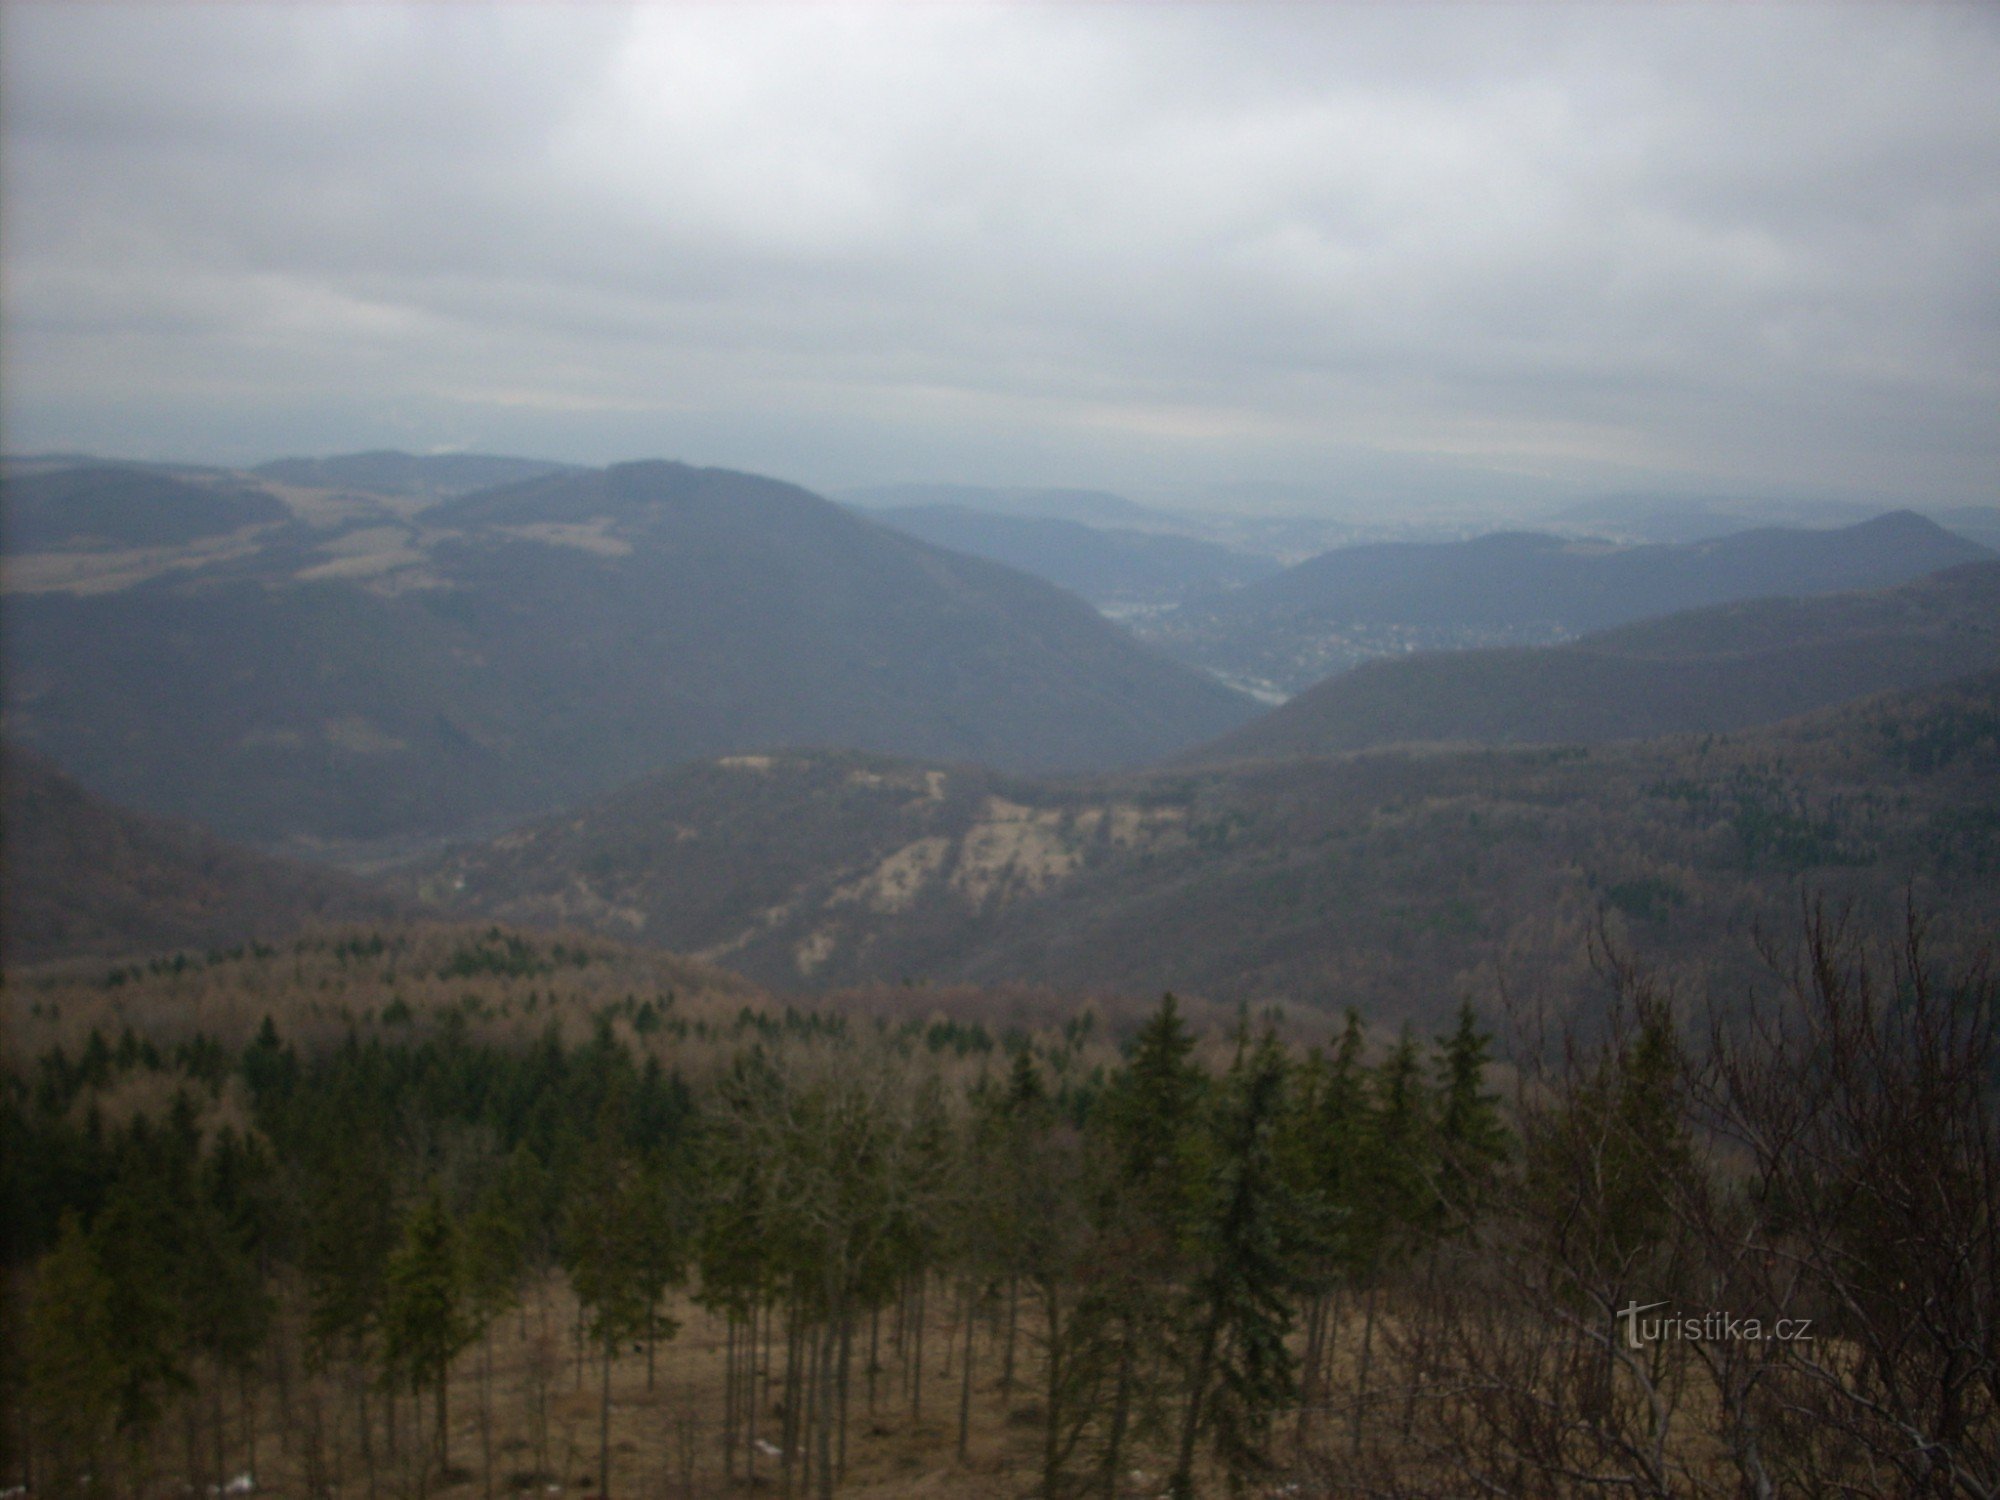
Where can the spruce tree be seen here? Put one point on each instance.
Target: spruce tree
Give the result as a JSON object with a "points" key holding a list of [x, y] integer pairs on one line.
{"points": [[74, 1376], [1151, 1120], [1240, 1372], [1471, 1140], [606, 1258], [426, 1317]]}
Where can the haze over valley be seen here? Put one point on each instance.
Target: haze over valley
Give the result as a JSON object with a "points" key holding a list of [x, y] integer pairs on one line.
{"points": [[1105, 752]]}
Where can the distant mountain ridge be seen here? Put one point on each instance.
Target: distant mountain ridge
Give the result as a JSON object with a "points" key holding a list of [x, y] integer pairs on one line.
{"points": [[358, 673], [103, 506], [1726, 667], [1524, 588], [390, 472], [1091, 507], [1109, 566]]}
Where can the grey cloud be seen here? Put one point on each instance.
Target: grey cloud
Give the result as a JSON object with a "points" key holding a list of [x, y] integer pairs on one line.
{"points": [[1021, 244]]}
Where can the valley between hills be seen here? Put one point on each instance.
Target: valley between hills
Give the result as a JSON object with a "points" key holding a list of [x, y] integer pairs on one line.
{"points": [[646, 981], [711, 713]]}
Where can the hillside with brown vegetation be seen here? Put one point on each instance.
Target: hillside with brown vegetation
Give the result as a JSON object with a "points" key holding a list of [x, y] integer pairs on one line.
{"points": [[1393, 879], [79, 876]]}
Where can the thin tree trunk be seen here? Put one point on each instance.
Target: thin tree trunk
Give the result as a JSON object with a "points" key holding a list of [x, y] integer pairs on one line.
{"points": [[282, 1367], [1013, 1309], [874, 1353], [902, 1338], [1367, 1355], [965, 1374], [729, 1401], [604, 1428], [367, 1435], [247, 1395], [318, 1484], [444, 1424], [191, 1436], [790, 1430], [1052, 1417], [770, 1349], [1121, 1408], [750, 1416], [829, 1342], [810, 1416], [1181, 1486], [917, 1374], [220, 1418], [486, 1408], [1309, 1369], [846, 1362]]}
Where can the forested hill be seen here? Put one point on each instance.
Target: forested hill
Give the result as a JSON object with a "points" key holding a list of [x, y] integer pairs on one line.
{"points": [[1344, 606], [1394, 879], [1704, 671], [1110, 566], [78, 876], [321, 669]]}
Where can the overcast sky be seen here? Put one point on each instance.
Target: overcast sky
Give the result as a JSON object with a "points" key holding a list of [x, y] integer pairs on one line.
{"points": [[1383, 252]]}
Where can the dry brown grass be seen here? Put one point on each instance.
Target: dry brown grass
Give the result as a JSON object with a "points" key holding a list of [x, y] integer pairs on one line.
{"points": [[666, 1440]]}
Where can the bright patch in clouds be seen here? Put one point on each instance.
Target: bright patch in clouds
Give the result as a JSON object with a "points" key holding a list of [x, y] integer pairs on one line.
{"points": [[1119, 245]]}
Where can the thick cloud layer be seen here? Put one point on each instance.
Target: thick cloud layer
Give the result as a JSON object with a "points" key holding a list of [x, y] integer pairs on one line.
{"points": [[1386, 249]]}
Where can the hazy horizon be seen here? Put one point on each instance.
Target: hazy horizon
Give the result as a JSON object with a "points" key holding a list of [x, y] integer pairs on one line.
{"points": [[1381, 258]]}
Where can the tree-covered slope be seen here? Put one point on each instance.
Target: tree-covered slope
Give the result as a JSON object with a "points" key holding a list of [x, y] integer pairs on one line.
{"points": [[357, 675], [1345, 606], [1387, 879], [1704, 671], [79, 877], [1110, 566]]}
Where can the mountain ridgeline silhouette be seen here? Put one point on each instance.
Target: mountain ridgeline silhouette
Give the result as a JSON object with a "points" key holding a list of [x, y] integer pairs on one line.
{"points": [[1522, 588], [346, 672], [1701, 671]]}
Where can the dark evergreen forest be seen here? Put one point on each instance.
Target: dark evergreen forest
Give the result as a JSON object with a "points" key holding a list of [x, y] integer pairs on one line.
{"points": [[499, 1231]]}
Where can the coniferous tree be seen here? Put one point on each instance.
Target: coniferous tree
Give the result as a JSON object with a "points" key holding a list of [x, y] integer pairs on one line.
{"points": [[142, 1241], [1471, 1140], [1151, 1120], [426, 1316], [1603, 1159], [1322, 1148], [73, 1369], [1240, 1371], [606, 1258]]}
